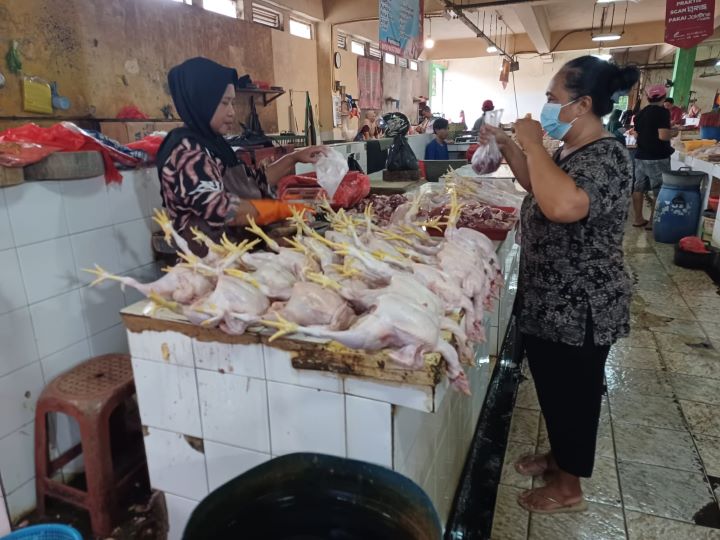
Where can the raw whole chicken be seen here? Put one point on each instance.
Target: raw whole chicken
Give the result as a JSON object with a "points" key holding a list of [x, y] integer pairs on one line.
{"points": [[403, 328], [292, 259], [235, 304], [414, 292], [180, 284], [314, 305]]}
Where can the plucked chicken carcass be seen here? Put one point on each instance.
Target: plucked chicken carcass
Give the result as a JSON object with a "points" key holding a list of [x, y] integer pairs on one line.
{"points": [[234, 304], [414, 292], [405, 329], [314, 305], [292, 259], [180, 284]]}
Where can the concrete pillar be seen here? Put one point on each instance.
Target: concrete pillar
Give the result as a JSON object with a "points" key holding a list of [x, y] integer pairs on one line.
{"points": [[682, 77]]}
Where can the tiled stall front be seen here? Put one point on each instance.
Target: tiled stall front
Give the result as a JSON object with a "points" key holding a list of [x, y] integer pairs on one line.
{"points": [[214, 410], [50, 319]]}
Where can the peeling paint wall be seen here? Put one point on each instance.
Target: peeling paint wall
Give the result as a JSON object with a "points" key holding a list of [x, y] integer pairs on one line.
{"points": [[295, 63], [112, 53]]}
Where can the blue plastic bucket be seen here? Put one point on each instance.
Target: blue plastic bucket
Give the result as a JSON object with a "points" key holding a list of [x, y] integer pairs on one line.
{"points": [[45, 532], [677, 213]]}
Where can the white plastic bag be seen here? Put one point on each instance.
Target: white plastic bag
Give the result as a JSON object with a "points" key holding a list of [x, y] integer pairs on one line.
{"points": [[331, 170], [487, 158]]}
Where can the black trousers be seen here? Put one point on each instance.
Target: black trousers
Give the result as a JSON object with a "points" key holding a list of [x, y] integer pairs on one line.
{"points": [[570, 384]]}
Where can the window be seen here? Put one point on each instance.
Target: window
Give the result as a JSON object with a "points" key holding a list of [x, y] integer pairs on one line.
{"points": [[413, 65], [357, 47], [341, 41], [223, 7], [389, 58], [266, 16], [300, 29], [403, 63], [374, 51]]}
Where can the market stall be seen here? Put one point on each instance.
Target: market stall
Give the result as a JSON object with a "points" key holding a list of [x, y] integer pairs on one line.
{"points": [[215, 403]]}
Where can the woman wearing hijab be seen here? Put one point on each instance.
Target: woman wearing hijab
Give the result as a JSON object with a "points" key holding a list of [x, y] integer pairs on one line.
{"points": [[203, 184]]}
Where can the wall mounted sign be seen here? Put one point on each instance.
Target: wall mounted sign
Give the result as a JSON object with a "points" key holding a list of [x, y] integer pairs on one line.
{"points": [[401, 27], [688, 22]]}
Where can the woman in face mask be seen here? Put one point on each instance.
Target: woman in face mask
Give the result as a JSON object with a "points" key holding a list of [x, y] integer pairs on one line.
{"points": [[574, 294]]}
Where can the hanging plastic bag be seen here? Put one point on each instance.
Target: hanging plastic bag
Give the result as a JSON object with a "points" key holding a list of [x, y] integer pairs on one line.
{"points": [[487, 158], [331, 169]]}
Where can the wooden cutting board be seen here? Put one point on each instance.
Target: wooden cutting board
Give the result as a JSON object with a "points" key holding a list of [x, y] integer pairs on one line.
{"points": [[66, 166], [11, 176]]}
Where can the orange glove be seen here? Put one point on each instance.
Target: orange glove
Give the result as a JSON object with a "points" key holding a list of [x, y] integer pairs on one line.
{"points": [[270, 211]]}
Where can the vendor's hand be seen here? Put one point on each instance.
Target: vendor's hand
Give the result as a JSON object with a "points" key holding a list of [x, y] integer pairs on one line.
{"points": [[528, 132], [310, 154], [487, 132]]}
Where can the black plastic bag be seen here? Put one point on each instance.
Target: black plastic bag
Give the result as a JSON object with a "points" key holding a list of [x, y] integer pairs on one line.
{"points": [[400, 156], [353, 164]]}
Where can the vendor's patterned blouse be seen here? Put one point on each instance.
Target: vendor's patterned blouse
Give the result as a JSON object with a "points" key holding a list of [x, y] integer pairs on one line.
{"points": [[193, 189], [570, 271]]}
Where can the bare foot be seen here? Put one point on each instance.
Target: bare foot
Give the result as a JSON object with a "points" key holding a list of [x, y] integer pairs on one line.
{"points": [[535, 465]]}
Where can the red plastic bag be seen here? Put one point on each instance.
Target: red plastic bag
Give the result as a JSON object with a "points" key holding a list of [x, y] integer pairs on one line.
{"points": [[69, 138], [471, 152], [150, 145], [22, 154], [354, 187], [693, 244]]}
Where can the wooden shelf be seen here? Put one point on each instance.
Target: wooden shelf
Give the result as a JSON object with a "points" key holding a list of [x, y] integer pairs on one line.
{"points": [[273, 94]]}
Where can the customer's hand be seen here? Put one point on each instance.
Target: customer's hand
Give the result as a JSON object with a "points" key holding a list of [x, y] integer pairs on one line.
{"points": [[488, 132], [528, 132], [310, 154]]}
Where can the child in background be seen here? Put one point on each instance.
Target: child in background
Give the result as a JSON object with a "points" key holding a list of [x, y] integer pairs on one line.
{"points": [[437, 148]]}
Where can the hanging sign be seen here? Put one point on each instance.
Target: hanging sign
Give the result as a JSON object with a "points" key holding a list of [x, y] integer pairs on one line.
{"points": [[401, 27], [688, 22]]}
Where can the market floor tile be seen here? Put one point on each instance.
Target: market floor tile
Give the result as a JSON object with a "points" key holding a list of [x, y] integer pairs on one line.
{"points": [[657, 471]]}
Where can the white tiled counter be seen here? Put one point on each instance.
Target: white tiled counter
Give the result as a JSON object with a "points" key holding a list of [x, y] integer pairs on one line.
{"points": [[214, 406]]}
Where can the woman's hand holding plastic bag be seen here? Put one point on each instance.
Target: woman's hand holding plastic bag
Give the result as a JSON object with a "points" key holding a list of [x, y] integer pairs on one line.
{"points": [[487, 158]]}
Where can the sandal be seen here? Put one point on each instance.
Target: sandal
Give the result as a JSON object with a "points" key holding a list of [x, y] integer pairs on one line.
{"points": [[644, 223], [528, 465], [559, 508]]}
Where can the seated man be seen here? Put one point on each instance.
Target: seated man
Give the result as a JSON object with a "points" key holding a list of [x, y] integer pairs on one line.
{"points": [[437, 148]]}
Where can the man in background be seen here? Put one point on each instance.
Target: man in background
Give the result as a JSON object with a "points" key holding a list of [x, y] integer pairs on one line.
{"points": [[437, 148], [487, 106], [426, 124], [652, 159], [676, 113]]}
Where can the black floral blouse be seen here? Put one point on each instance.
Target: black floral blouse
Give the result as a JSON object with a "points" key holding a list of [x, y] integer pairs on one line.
{"points": [[568, 271]]}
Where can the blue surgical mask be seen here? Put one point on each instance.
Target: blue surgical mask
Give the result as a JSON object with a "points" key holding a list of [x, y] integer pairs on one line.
{"points": [[550, 120]]}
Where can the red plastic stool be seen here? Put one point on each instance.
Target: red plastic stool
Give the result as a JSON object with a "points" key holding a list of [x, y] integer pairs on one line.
{"points": [[96, 394]]}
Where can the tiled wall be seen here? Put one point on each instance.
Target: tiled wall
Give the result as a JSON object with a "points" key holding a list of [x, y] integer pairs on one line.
{"points": [[49, 318], [213, 411]]}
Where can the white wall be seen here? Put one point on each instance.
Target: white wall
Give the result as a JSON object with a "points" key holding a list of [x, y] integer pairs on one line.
{"points": [[50, 319], [469, 82]]}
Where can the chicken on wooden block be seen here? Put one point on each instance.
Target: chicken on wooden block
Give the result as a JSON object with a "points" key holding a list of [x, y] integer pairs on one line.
{"points": [[405, 330]]}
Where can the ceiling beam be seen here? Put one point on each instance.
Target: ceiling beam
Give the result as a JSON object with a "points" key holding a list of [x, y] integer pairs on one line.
{"points": [[636, 35], [659, 52], [496, 3], [534, 20]]}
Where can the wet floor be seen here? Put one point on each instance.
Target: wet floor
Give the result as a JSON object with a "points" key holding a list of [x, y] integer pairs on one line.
{"points": [[657, 471]]}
